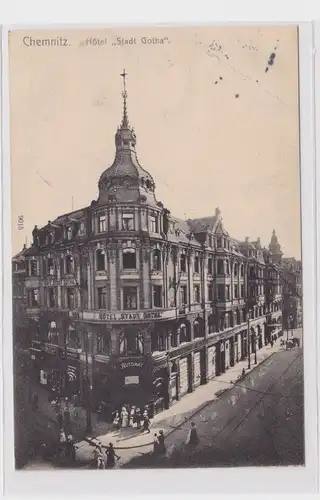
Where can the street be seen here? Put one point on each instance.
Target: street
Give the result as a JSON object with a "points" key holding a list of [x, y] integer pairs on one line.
{"points": [[258, 422]]}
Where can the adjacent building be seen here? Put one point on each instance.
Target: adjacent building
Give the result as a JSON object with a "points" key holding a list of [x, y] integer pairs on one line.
{"points": [[128, 304], [292, 293]]}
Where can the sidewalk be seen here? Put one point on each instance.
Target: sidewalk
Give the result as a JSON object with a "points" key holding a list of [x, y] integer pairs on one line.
{"points": [[130, 443]]}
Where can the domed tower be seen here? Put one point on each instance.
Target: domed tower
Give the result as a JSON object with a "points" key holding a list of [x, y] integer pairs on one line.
{"points": [[126, 181], [275, 248]]}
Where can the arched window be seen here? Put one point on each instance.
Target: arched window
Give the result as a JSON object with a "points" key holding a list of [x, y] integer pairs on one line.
{"points": [[129, 258], [198, 328], [184, 331]]}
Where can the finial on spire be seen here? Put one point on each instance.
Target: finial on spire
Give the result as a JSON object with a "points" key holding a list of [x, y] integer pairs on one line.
{"points": [[125, 121]]}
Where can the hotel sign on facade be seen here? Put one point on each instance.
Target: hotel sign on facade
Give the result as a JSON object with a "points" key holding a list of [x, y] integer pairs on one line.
{"points": [[127, 316]]}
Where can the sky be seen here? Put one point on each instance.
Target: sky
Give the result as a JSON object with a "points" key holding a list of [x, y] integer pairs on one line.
{"points": [[215, 111]]}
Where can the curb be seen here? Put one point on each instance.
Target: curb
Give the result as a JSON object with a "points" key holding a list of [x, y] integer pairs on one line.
{"points": [[92, 441]]}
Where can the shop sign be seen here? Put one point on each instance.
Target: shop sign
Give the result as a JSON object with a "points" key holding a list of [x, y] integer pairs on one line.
{"points": [[127, 316], [133, 379], [131, 364], [56, 282]]}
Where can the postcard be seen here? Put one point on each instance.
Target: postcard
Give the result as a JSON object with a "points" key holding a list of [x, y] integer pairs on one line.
{"points": [[156, 247]]}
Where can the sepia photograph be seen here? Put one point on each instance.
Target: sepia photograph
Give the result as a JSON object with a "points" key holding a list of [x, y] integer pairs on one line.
{"points": [[156, 247]]}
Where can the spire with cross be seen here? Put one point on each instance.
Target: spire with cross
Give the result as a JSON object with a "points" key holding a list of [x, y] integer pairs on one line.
{"points": [[125, 121]]}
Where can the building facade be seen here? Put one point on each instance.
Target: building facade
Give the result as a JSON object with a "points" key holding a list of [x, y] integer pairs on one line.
{"points": [[292, 293], [128, 304]]}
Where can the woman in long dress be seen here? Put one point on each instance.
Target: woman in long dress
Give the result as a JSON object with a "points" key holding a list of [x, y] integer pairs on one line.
{"points": [[111, 455], [193, 438]]}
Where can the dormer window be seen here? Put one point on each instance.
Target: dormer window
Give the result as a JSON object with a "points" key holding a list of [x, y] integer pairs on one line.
{"points": [[154, 224], [51, 237], [127, 222], [69, 233], [219, 243]]}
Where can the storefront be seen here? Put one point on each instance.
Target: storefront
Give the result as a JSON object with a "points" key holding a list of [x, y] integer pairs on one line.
{"points": [[196, 369], [184, 376], [211, 362]]}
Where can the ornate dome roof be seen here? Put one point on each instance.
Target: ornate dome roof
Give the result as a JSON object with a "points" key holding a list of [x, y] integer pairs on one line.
{"points": [[125, 180]]}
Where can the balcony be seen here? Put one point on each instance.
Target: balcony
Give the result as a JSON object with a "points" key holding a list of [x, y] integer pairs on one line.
{"points": [[101, 275], [157, 274], [33, 282]]}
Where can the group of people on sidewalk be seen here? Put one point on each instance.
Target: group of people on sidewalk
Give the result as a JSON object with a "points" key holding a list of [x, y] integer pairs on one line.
{"points": [[132, 417], [98, 456]]}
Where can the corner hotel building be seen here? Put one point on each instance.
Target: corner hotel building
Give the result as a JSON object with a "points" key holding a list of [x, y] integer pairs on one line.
{"points": [[140, 304]]}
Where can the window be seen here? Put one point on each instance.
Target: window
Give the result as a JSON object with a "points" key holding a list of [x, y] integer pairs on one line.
{"points": [[69, 233], [210, 241], [103, 342], [154, 224], [196, 294], [82, 229], [69, 264], [101, 260], [235, 270], [130, 297], [157, 296], [34, 298], [51, 237], [127, 222], [102, 298], [156, 259], [236, 291], [211, 324], [51, 297], [183, 333], [210, 265], [196, 264], [241, 270], [50, 266], [183, 263], [210, 293], [227, 292], [33, 268], [183, 295], [220, 292], [219, 243], [129, 258], [74, 340], [228, 267], [52, 332], [101, 223], [70, 298], [220, 267], [242, 291]]}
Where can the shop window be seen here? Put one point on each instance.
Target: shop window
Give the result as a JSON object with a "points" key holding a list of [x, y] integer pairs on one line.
{"points": [[34, 298], [196, 264], [156, 259], [157, 296], [129, 258], [196, 293], [70, 298], [210, 265], [69, 264], [130, 297], [127, 222], [101, 223], [102, 298], [51, 297], [183, 263], [33, 268], [69, 233], [101, 260], [154, 224], [183, 295], [210, 293], [103, 343]]}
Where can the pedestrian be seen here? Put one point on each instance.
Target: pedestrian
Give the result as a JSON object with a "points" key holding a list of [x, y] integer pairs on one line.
{"points": [[98, 458], [75, 399], [116, 420], [132, 415], [193, 438], [162, 446], [60, 418], [66, 416], [146, 425], [76, 413], [111, 455], [155, 444], [71, 449], [138, 418], [124, 417]]}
